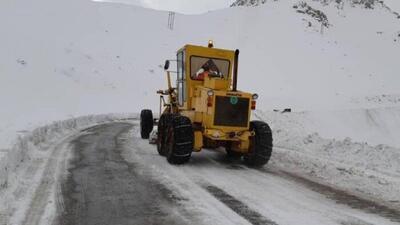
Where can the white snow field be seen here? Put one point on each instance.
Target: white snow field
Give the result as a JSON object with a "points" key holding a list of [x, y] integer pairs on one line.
{"points": [[107, 57], [61, 60], [393, 4], [350, 164], [181, 6]]}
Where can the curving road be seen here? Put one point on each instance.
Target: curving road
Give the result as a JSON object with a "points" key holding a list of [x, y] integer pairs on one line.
{"points": [[116, 178]]}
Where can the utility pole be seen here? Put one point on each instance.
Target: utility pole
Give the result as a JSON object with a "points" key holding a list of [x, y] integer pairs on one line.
{"points": [[171, 20]]}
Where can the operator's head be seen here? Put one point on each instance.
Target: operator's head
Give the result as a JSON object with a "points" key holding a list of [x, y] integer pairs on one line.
{"points": [[206, 67]]}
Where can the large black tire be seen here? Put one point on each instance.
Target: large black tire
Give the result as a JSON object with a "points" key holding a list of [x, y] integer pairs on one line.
{"points": [[162, 131], [146, 123], [260, 149], [180, 140]]}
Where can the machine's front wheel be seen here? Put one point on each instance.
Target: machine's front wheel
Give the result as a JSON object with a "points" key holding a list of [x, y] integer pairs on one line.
{"points": [[180, 140], [162, 131], [260, 149], [146, 123]]}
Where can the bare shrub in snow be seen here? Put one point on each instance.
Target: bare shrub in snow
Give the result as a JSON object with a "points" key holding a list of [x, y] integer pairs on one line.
{"points": [[21, 61], [248, 2], [367, 4], [318, 15]]}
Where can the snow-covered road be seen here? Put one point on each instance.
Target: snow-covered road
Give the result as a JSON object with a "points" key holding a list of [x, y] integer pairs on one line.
{"points": [[114, 177]]}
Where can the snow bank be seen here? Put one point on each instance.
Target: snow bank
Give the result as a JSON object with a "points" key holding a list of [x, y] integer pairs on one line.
{"points": [[371, 125], [355, 166], [22, 168], [34, 144]]}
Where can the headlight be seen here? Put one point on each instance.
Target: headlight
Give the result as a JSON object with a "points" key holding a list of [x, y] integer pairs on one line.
{"points": [[210, 93], [254, 96]]}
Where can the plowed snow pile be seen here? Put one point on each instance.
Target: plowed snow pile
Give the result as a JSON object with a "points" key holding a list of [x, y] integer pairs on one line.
{"points": [[342, 148]]}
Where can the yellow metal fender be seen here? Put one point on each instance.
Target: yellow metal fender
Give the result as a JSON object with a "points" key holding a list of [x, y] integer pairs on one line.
{"points": [[198, 141], [240, 143]]}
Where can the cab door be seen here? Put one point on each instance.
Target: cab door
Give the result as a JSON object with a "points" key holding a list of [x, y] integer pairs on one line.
{"points": [[181, 80]]}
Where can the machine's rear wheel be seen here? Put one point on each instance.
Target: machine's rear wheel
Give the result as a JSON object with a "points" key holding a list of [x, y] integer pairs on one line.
{"points": [[260, 145], [146, 123], [180, 140], [162, 131]]}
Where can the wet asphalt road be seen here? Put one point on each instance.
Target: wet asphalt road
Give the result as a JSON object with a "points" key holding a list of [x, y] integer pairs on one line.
{"points": [[105, 189]]}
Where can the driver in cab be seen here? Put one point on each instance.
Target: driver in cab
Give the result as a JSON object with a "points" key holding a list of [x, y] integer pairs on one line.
{"points": [[203, 72], [207, 71]]}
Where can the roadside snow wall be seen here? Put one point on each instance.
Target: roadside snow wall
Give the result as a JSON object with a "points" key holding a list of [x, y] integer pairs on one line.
{"points": [[40, 138], [355, 150], [375, 126]]}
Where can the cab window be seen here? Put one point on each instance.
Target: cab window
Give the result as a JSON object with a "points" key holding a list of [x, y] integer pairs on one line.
{"points": [[201, 67]]}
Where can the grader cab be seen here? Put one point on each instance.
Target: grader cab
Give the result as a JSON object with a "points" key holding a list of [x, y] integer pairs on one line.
{"points": [[205, 110]]}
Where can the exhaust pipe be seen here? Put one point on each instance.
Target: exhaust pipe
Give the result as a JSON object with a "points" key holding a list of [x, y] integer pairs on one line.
{"points": [[235, 70]]}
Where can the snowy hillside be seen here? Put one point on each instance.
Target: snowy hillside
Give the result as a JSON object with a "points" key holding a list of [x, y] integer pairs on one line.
{"points": [[368, 4], [334, 63], [105, 59], [393, 4], [184, 7]]}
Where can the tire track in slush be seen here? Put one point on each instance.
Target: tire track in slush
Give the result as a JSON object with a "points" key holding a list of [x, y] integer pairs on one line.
{"points": [[40, 199], [104, 189], [344, 198], [237, 206], [339, 196]]}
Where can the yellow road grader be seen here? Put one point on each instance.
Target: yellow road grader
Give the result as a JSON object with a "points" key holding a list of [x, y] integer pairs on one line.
{"points": [[205, 110]]}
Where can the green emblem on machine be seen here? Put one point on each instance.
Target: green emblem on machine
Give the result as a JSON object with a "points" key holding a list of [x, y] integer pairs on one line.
{"points": [[234, 100]]}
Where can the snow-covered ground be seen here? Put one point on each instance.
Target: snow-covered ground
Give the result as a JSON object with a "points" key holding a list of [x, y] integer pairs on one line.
{"points": [[23, 169], [321, 148], [65, 59], [393, 4], [280, 200], [54, 65]]}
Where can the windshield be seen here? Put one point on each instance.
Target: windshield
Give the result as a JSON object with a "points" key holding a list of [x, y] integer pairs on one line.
{"points": [[201, 67]]}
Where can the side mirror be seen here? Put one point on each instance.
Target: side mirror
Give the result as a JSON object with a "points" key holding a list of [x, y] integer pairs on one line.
{"points": [[166, 65]]}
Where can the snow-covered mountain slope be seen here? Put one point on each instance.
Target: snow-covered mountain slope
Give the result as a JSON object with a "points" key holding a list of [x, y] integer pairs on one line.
{"points": [[184, 7], [336, 67], [248, 2], [393, 4], [69, 58], [368, 4]]}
